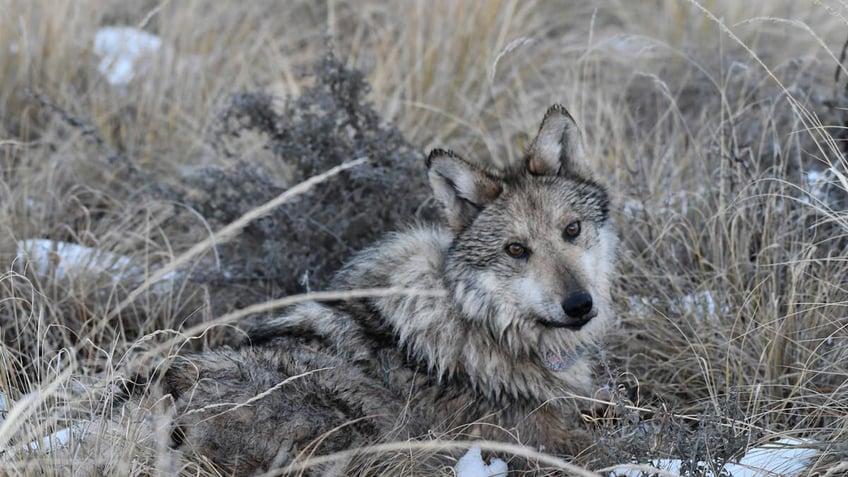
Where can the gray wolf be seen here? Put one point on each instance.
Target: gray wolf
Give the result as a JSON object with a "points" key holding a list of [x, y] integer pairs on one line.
{"points": [[523, 267]]}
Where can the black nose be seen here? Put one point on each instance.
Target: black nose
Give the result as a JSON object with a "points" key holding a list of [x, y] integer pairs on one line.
{"points": [[578, 305]]}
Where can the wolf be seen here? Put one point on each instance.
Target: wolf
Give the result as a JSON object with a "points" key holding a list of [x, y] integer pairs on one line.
{"points": [[518, 293]]}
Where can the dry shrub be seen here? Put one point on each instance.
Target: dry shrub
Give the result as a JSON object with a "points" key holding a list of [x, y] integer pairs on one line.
{"points": [[301, 244]]}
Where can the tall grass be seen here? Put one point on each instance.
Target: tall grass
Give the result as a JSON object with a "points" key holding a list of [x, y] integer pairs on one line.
{"points": [[718, 127]]}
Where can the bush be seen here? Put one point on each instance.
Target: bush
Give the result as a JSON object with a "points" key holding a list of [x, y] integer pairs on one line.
{"points": [[301, 244]]}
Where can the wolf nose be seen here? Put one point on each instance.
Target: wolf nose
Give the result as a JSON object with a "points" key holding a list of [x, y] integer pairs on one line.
{"points": [[578, 305]]}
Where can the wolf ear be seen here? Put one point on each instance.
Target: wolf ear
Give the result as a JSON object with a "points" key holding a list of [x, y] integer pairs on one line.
{"points": [[558, 148], [461, 187]]}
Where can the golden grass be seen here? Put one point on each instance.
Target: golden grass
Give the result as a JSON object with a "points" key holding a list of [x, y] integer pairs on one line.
{"points": [[704, 118]]}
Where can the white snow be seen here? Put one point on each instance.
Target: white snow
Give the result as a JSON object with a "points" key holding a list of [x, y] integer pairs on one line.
{"points": [[60, 258], [58, 440], [631, 46], [700, 305], [632, 208], [819, 184], [785, 457], [63, 259], [4, 408], [472, 465], [120, 49], [782, 457], [642, 305]]}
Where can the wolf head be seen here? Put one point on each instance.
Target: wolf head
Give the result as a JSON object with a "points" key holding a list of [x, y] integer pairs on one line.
{"points": [[534, 246]]}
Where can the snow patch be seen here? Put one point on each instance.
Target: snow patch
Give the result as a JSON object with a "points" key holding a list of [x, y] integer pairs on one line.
{"points": [[642, 305], [4, 408], [785, 457], [61, 258], [632, 208], [631, 46], [58, 440], [672, 204], [819, 185], [472, 465], [120, 50], [701, 305], [64, 259]]}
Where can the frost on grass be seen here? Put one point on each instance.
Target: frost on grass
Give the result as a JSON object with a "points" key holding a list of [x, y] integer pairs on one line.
{"points": [[472, 465]]}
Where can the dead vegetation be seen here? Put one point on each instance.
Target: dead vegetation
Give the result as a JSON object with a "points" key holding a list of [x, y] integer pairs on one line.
{"points": [[718, 126]]}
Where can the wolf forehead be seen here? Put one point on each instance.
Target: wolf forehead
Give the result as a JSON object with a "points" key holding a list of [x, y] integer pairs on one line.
{"points": [[571, 197], [570, 194]]}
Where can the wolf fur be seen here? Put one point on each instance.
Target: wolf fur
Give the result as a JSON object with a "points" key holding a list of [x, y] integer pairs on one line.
{"points": [[522, 273]]}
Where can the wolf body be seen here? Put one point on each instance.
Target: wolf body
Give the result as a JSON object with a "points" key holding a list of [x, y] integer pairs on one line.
{"points": [[517, 289]]}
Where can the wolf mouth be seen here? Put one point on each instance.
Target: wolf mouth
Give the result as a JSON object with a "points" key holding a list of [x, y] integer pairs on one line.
{"points": [[571, 324], [560, 324]]}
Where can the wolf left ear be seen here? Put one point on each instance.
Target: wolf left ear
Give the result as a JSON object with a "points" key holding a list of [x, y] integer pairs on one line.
{"points": [[461, 187], [558, 148]]}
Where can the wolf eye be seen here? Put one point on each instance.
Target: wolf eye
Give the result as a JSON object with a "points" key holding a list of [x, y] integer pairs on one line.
{"points": [[516, 250], [572, 230]]}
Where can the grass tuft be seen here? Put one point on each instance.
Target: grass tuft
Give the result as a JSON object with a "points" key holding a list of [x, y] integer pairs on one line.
{"points": [[718, 126]]}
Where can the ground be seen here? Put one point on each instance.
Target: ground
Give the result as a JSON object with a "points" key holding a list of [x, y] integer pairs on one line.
{"points": [[718, 127]]}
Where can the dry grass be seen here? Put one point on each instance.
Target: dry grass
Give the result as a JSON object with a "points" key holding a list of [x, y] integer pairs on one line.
{"points": [[705, 119]]}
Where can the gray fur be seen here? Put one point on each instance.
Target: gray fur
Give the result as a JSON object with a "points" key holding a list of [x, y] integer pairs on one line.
{"points": [[497, 347]]}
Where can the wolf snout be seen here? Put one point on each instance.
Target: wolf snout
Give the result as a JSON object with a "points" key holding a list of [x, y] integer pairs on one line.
{"points": [[578, 307]]}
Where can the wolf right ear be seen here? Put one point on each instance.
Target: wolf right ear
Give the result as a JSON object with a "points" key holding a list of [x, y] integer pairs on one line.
{"points": [[558, 148], [461, 187]]}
